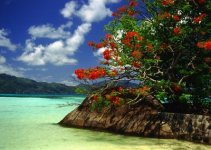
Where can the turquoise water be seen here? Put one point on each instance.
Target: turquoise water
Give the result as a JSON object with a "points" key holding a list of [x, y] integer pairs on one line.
{"points": [[30, 124]]}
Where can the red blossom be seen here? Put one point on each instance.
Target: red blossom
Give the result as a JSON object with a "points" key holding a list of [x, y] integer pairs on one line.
{"points": [[99, 45], [164, 15], [107, 54], [198, 19], [132, 34], [140, 38], [108, 36], [207, 45], [115, 14], [176, 18], [167, 2], [80, 74], [177, 30], [200, 44], [127, 42], [149, 47], [136, 64], [133, 3], [131, 12], [137, 46], [113, 45], [136, 54], [115, 100], [122, 9], [96, 73]]}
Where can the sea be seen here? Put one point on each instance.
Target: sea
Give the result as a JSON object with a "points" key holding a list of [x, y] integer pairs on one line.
{"points": [[30, 122]]}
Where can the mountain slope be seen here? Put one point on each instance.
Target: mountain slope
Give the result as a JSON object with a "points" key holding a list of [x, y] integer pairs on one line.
{"points": [[15, 85]]}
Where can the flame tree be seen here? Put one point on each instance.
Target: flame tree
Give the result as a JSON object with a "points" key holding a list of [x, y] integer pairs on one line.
{"points": [[162, 45]]}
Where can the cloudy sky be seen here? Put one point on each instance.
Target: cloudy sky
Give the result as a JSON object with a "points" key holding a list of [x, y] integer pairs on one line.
{"points": [[46, 40]]}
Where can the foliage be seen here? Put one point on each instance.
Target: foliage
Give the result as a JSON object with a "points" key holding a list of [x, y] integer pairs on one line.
{"points": [[16, 85], [163, 45]]}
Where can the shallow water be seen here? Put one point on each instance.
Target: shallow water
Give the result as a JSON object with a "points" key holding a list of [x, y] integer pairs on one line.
{"points": [[30, 124]]}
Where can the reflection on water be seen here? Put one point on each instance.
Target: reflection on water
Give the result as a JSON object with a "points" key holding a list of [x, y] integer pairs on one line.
{"points": [[30, 124]]}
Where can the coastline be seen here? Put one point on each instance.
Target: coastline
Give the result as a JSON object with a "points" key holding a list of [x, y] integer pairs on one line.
{"points": [[145, 120]]}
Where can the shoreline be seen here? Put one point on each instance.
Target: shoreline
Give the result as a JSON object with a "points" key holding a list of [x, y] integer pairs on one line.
{"points": [[143, 121]]}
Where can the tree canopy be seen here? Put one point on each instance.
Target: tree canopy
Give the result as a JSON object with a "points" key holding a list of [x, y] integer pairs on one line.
{"points": [[162, 45]]}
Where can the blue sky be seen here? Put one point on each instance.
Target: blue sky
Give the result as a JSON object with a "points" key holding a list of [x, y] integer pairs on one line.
{"points": [[46, 40]]}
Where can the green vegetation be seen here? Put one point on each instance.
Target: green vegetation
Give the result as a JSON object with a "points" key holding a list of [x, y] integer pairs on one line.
{"points": [[15, 85], [163, 45]]}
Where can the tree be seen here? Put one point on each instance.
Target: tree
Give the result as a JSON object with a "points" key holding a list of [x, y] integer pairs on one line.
{"points": [[162, 45]]}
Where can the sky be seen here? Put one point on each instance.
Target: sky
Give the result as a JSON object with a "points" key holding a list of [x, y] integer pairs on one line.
{"points": [[46, 40]]}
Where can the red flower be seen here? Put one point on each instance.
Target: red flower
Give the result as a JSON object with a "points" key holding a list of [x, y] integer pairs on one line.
{"points": [[176, 18], [167, 2], [113, 45], [149, 47], [133, 3], [116, 100], [107, 54], [136, 54], [80, 74], [131, 12], [176, 30], [136, 64], [132, 34], [121, 9], [196, 19], [137, 46], [99, 45], [127, 42], [93, 75], [164, 15], [207, 45], [200, 44], [108, 36], [115, 14], [199, 18]]}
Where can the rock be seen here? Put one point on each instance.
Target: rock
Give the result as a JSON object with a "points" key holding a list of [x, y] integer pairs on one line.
{"points": [[142, 119]]}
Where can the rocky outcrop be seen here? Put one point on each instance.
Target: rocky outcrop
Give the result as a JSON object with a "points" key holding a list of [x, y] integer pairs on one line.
{"points": [[144, 119]]}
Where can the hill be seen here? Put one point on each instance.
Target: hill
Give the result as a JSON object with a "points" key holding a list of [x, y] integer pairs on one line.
{"points": [[16, 85]]}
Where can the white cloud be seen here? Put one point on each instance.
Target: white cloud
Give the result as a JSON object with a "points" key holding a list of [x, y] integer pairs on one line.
{"points": [[2, 60], [56, 53], [48, 31], [4, 68], [69, 9], [99, 52], [61, 51], [94, 11], [5, 41]]}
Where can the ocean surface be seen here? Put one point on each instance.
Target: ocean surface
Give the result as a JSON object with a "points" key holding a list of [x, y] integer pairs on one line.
{"points": [[30, 123]]}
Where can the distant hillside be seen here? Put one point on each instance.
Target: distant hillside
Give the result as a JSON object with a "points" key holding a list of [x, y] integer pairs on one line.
{"points": [[15, 85]]}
